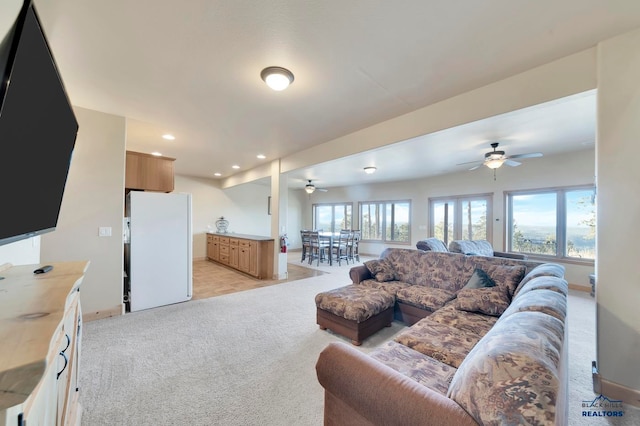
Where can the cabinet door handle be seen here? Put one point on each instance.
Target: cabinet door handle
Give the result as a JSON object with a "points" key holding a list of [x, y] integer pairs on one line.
{"points": [[68, 343], [66, 362]]}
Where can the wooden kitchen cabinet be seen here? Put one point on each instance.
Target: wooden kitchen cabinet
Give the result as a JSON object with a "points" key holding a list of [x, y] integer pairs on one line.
{"points": [[40, 355], [149, 173], [233, 252], [250, 254], [213, 247]]}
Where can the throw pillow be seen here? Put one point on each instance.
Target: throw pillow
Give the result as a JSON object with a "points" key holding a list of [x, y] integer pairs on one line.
{"points": [[506, 276], [381, 269], [485, 300], [479, 279]]}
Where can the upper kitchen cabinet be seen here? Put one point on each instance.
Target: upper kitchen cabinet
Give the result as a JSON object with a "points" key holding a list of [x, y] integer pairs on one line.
{"points": [[149, 173]]}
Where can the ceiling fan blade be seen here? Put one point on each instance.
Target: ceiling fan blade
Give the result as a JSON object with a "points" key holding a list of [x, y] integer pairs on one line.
{"points": [[477, 166], [322, 189], [511, 163], [529, 155], [470, 162]]}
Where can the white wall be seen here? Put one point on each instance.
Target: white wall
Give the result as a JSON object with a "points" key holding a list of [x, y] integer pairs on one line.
{"points": [[25, 252], [561, 170], [93, 198], [618, 179]]}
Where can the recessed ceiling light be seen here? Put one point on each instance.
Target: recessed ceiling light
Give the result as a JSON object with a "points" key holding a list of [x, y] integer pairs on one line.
{"points": [[217, 174], [156, 154], [277, 78], [235, 166], [168, 137], [261, 156], [370, 170]]}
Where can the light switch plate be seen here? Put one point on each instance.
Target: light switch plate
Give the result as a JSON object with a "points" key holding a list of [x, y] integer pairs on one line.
{"points": [[104, 231]]}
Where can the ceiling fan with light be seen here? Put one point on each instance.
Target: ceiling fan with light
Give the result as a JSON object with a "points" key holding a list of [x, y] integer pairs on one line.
{"points": [[495, 159], [311, 188]]}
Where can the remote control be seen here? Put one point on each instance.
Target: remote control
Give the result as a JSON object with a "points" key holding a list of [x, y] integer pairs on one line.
{"points": [[43, 270]]}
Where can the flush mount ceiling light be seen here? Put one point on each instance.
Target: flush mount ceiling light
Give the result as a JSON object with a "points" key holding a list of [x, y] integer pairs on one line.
{"points": [[370, 170], [277, 78], [168, 137]]}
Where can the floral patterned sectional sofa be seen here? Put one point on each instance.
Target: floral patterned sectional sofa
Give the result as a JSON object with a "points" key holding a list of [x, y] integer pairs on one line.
{"points": [[486, 345]]}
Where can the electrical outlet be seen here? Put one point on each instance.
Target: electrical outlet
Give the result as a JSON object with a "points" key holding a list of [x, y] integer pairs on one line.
{"points": [[104, 231]]}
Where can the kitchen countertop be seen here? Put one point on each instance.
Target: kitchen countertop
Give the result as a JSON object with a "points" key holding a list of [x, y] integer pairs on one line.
{"points": [[242, 236]]}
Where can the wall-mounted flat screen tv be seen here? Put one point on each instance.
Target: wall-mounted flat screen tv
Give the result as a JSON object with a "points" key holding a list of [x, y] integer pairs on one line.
{"points": [[38, 131]]}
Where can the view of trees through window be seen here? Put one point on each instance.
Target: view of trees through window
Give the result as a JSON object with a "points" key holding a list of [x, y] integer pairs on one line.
{"points": [[463, 218], [558, 222], [385, 221], [332, 217]]}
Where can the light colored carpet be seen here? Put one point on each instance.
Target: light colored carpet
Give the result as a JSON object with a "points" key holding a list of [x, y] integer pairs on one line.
{"points": [[246, 358]]}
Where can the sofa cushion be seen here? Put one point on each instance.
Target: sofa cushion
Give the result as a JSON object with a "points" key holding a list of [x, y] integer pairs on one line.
{"points": [[546, 301], [471, 247], [354, 302], [479, 279], [487, 300], [425, 297], [391, 287], [442, 342], [545, 282], [546, 269], [448, 271], [511, 376], [423, 369], [431, 244], [381, 269], [467, 321]]}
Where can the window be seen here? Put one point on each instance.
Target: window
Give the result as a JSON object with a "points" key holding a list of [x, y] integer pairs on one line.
{"points": [[387, 221], [556, 222], [460, 218], [332, 217]]}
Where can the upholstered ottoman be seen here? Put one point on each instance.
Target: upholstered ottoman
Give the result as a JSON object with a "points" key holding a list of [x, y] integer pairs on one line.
{"points": [[354, 311]]}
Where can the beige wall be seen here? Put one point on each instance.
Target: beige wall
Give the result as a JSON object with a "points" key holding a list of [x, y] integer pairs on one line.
{"points": [[618, 180], [93, 198]]}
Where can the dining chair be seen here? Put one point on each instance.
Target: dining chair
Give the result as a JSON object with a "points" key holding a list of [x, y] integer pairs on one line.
{"points": [[306, 243], [352, 245], [317, 249], [340, 249]]}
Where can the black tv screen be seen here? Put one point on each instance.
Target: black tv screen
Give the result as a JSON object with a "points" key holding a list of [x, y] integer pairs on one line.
{"points": [[38, 131]]}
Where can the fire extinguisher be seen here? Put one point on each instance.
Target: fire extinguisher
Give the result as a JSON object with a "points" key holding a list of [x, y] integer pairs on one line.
{"points": [[283, 243]]}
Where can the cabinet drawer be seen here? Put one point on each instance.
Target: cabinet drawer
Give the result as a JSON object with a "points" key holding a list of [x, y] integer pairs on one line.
{"points": [[224, 250], [215, 238], [245, 243], [224, 258], [209, 238], [233, 241], [224, 240]]}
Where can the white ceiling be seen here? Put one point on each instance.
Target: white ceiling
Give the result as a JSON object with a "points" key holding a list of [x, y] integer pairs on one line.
{"points": [[192, 68]]}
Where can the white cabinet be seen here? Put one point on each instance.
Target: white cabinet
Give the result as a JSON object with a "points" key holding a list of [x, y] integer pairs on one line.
{"points": [[41, 328]]}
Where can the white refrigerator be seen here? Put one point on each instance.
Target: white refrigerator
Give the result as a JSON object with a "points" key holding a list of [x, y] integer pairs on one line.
{"points": [[158, 249]]}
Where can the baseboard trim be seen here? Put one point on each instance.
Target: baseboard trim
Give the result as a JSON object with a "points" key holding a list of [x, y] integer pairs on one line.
{"points": [[580, 287], [106, 313], [617, 391]]}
